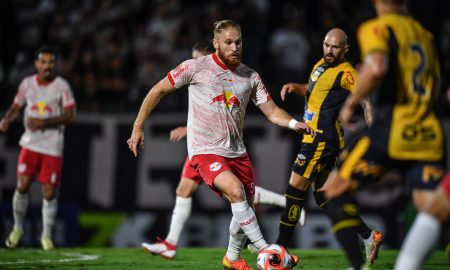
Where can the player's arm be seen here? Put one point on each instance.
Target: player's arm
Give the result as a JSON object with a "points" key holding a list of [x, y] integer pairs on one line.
{"points": [[373, 71], [152, 99], [178, 133], [366, 104], [67, 117], [10, 116], [281, 118], [297, 88]]}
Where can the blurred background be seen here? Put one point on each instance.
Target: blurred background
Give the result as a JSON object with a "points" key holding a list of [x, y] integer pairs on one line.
{"points": [[113, 51]]}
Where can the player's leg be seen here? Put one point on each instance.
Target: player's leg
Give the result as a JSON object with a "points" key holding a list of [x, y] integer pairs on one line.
{"points": [[20, 206], [233, 178], [425, 231], [50, 178], [372, 239], [353, 170], [295, 198], [267, 197], [49, 211], [232, 259], [26, 168], [182, 210], [189, 182]]}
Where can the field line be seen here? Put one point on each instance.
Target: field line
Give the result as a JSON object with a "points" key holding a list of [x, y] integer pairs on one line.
{"points": [[73, 258]]}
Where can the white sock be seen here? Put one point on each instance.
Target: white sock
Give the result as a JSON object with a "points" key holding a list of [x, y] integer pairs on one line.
{"points": [[20, 205], [245, 216], [180, 215], [419, 243], [236, 242], [264, 196], [49, 210]]}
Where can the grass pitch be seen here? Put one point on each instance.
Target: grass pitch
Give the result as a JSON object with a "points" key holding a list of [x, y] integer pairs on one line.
{"points": [[187, 258]]}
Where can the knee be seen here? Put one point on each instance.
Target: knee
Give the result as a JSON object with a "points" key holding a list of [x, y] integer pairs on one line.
{"points": [[343, 208], [320, 199], [235, 193], [185, 192], [49, 194]]}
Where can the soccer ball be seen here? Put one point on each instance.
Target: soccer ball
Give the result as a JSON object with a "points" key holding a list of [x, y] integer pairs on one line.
{"points": [[274, 257]]}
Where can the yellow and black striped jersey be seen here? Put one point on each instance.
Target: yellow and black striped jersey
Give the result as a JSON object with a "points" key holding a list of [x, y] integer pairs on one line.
{"points": [[328, 87], [404, 115]]}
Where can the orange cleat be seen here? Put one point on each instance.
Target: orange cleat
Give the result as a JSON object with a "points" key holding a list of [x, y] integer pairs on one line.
{"points": [[240, 264]]}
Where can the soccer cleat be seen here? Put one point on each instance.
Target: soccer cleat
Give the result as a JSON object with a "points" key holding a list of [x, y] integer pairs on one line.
{"points": [[47, 243], [372, 246], [240, 264], [14, 238], [161, 248], [302, 219], [294, 260]]}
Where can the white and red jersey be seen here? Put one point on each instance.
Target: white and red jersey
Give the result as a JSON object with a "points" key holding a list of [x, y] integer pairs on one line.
{"points": [[44, 101], [218, 98]]}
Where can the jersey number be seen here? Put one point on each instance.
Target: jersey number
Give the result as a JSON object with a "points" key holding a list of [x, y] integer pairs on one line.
{"points": [[418, 71], [418, 133]]}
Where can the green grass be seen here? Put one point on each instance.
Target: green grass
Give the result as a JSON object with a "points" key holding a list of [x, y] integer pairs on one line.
{"points": [[187, 258]]}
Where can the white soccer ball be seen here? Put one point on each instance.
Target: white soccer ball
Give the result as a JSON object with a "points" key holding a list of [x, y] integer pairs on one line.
{"points": [[274, 257]]}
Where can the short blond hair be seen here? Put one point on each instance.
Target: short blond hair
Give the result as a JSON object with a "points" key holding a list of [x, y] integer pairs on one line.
{"points": [[225, 24]]}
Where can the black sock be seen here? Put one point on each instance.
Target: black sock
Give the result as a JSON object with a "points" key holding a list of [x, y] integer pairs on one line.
{"points": [[320, 199], [363, 230], [295, 199], [344, 215]]}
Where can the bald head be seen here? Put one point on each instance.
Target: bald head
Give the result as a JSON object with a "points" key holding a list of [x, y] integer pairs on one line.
{"points": [[335, 46], [337, 34]]}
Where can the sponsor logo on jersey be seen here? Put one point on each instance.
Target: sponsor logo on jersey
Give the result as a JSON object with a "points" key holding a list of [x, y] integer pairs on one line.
{"points": [[309, 116], [41, 108], [228, 100], [214, 167], [180, 69]]}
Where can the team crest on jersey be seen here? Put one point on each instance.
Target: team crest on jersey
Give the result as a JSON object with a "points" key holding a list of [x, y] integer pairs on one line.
{"points": [[214, 167]]}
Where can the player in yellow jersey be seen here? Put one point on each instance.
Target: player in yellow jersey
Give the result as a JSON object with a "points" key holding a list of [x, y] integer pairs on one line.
{"points": [[332, 79], [401, 68]]}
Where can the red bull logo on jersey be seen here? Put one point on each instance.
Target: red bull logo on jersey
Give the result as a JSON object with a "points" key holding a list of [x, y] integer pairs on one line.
{"points": [[228, 99], [41, 108]]}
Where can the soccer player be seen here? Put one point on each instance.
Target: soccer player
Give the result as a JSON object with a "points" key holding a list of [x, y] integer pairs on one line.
{"points": [[49, 105], [400, 64], [332, 79], [189, 182], [418, 245], [220, 87]]}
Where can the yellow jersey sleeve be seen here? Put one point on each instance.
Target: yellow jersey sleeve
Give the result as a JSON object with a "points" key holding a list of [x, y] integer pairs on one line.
{"points": [[349, 78], [373, 36]]}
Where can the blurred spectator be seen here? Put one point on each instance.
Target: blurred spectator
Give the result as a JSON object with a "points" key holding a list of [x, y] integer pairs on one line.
{"points": [[112, 51]]}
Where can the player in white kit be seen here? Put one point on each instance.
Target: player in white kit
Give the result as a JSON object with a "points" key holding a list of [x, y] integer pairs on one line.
{"points": [[190, 180], [220, 87], [49, 105]]}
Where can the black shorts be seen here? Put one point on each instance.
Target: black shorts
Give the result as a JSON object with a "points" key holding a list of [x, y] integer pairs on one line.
{"points": [[313, 158], [364, 161]]}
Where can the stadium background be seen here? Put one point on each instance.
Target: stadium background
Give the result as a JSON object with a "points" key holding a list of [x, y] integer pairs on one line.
{"points": [[113, 51]]}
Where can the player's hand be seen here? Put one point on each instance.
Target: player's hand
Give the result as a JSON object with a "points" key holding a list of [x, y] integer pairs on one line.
{"points": [[4, 125], [287, 89], [301, 127], [136, 141], [34, 123], [178, 133], [346, 114]]}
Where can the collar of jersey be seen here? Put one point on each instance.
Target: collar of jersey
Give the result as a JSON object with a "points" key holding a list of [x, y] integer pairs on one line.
{"points": [[219, 63]]}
